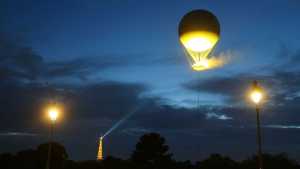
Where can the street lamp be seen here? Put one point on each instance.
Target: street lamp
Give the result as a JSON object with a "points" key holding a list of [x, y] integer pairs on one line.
{"points": [[256, 97], [53, 113]]}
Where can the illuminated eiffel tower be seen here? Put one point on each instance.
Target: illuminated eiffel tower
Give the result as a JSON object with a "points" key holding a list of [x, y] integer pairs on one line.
{"points": [[100, 149]]}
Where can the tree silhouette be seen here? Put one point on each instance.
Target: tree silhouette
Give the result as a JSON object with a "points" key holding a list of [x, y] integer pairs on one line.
{"points": [[184, 165], [27, 159], [58, 155], [8, 160], [277, 161], [217, 161], [35, 159], [115, 163], [152, 151], [90, 164]]}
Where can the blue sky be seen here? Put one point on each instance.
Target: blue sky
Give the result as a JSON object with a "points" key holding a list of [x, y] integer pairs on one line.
{"points": [[146, 32], [134, 44]]}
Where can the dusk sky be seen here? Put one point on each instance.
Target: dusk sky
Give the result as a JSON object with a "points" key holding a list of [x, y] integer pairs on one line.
{"points": [[105, 59]]}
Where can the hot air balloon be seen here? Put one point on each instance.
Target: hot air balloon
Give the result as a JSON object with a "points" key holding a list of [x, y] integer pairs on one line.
{"points": [[199, 32]]}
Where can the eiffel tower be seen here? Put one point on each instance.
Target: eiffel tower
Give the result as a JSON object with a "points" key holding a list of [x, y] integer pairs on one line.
{"points": [[100, 149]]}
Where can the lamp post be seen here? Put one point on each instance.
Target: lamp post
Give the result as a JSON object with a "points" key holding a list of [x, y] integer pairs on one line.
{"points": [[256, 96], [53, 115]]}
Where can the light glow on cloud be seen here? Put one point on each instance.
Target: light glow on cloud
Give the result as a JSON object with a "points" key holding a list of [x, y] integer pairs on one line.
{"points": [[218, 116], [17, 134], [279, 126]]}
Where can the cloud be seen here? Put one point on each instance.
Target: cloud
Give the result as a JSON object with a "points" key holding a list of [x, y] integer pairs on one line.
{"points": [[280, 85], [231, 87], [288, 59], [91, 109], [161, 117], [18, 134], [22, 103], [16, 60], [280, 126], [218, 116], [109, 99], [19, 61], [135, 131], [282, 96], [98, 106]]}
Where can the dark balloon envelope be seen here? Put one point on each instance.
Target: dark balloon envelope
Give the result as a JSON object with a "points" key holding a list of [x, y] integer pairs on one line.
{"points": [[199, 20]]}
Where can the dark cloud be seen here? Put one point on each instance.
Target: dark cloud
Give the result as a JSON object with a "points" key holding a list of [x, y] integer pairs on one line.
{"points": [[108, 99], [22, 103], [232, 88], [280, 85], [169, 117], [288, 58], [282, 101], [16, 60], [79, 68], [94, 108], [20, 62]]}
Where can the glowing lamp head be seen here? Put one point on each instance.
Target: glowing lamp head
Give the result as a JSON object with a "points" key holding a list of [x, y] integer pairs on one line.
{"points": [[53, 113], [199, 32], [256, 94]]}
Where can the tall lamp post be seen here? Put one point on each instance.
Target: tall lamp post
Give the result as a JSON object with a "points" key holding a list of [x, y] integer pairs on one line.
{"points": [[256, 96], [53, 113]]}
